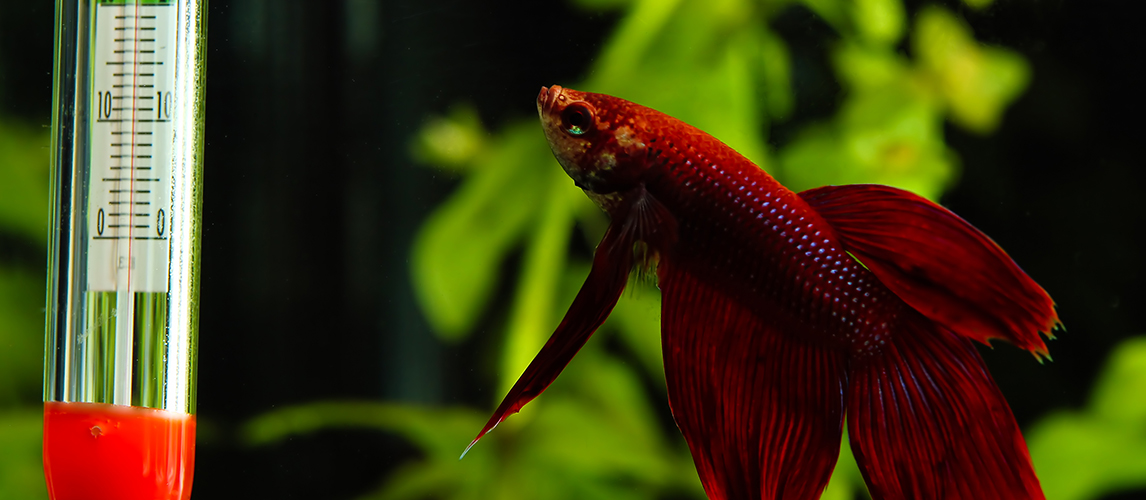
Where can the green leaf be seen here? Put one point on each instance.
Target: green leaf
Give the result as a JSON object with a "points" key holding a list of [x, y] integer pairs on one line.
{"points": [[846, 477], [21, 336], [637, 321], [532, 317], [891, 136], [717, 95], [458, 252], [24, 181], [977, 82], [453, 142], [1102, 449], [596, 424], [594, 436], [1081, 457], [775, 75], [888, 131], [879, 21], [633, 38], [435, 430], [21, 465], [709, 78], [1118, 393], [867, 69], [978, 4]]}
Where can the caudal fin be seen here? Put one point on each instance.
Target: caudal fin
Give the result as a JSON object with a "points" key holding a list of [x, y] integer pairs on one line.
{"points": [[926, 421]]}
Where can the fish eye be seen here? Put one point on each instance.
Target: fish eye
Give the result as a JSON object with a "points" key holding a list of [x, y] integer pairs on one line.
{"points": [[576, 119]]}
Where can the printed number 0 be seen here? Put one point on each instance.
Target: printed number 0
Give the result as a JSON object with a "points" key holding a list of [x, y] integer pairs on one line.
{"points": [[160, 222]]}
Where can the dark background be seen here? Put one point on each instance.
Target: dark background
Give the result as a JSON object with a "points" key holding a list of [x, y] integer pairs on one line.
{"points": [[312, 199]]}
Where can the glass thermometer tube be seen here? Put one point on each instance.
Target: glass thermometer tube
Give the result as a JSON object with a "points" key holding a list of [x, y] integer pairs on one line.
{"points": [[119, 385]]}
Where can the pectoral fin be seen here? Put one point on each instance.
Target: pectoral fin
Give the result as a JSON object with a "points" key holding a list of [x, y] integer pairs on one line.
{"points": [[611, 264]]}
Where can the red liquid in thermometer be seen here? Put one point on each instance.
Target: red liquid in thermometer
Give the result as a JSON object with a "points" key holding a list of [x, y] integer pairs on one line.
{"points": [[95, 451]]}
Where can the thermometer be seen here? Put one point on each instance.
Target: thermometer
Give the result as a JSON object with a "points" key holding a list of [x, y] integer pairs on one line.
{"points": [[119, 385]]}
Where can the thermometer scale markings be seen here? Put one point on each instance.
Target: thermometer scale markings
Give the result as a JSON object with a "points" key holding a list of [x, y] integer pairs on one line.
{"points": [[131, 145]]}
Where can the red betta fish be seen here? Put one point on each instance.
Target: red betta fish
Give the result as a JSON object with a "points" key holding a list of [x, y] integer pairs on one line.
{"points": [[782, 312]]}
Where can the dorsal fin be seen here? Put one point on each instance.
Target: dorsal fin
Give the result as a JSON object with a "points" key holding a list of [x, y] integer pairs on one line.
{"points": [[938, 263]]}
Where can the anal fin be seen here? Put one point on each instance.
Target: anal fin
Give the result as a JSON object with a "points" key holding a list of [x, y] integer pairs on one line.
{"points": [[760, 408]]}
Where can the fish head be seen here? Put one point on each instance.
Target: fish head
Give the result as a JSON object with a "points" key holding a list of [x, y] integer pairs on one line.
{"points": [[594, 137]]}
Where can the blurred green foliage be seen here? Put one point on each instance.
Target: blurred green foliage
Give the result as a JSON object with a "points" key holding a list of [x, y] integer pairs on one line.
{"points": [[1100, 449], [592, 439], [718, 65], [23, 181], [23, 223]]}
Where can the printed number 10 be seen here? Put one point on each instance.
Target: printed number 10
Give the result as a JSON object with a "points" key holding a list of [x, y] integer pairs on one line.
{"points": [[162, 105], [103, 103]]}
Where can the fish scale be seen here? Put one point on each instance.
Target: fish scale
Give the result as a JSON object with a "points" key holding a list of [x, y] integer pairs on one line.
{"points": [[800, 268]]}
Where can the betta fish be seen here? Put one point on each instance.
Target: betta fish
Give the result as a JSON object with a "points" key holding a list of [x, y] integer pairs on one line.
{"points": [[784, 312]]}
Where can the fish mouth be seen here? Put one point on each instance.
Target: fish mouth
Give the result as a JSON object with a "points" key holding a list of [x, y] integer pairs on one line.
{"points": [[547, 97]]}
